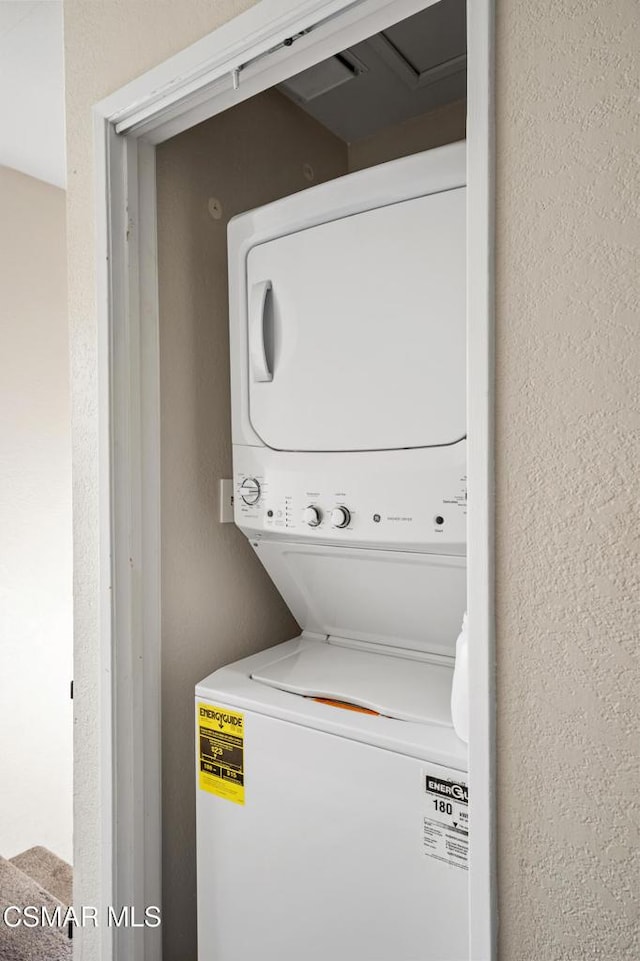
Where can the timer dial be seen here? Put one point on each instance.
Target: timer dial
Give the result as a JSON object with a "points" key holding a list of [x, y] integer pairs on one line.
{"points": [[250, 491], [312, 516], [340, 517]]}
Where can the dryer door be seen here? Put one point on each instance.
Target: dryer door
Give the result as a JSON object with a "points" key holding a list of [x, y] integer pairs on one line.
{"points": [[356, 330]]}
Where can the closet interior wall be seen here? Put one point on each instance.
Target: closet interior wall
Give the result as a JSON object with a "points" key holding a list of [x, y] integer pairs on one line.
{"points": [[218, 603]]}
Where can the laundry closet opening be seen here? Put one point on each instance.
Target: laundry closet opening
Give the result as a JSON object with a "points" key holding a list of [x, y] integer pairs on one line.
{"points": [[393, 95]]}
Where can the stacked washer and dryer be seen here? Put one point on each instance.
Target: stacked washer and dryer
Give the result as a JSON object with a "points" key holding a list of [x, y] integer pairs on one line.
{"points": [[332, 802]]}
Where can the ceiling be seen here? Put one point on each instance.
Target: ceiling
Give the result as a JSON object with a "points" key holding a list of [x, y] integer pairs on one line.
{"points": [[32, 88], [410, 68]]}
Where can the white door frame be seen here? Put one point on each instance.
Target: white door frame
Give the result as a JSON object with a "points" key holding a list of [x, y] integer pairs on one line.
{"points": [[241, 58]]}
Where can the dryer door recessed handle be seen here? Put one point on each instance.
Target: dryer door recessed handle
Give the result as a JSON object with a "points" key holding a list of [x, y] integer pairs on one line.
{"points": [[257, 354]]}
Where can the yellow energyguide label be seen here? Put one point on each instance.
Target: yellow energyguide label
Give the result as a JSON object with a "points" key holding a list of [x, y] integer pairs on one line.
{"points": [[220, 751]]}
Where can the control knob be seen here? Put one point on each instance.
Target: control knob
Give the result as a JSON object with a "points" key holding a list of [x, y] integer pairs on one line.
{"points": [[340, 517], [250, 491], [312, 516]]}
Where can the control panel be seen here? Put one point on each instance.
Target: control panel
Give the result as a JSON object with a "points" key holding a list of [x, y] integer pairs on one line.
{"points": [[359, 499]]}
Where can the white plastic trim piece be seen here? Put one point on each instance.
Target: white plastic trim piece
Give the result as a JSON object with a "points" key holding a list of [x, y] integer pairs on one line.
{"points": [[104, 167], [480, 478], [129, 537]]}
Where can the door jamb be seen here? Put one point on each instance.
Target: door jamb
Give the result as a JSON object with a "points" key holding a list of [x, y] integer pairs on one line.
{"points": [[241, 58]]}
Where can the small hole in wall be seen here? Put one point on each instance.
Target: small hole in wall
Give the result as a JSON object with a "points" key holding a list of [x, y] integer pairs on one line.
{"points": [[215, 208], [307, 171]]}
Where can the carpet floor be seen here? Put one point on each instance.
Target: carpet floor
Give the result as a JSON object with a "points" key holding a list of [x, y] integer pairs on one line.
{"points": [[49, 871], [22, 889]]}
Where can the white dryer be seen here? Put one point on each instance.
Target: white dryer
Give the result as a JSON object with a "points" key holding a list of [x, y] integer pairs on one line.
{"points": [[332, 804]]}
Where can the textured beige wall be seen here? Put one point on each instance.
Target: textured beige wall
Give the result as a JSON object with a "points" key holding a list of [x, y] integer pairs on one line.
{"points": [[434, 129], [35, 519], [218, 602], [568, 363], [567, 359]]}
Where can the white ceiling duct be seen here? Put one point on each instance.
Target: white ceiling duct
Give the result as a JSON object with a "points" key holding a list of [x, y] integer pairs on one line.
{"points": [[323, 77]]}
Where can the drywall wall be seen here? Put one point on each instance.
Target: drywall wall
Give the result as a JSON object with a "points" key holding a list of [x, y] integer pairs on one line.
{"points": [[35, 520], [568, 591], [567, 664], [434, 129], [218, 603]]}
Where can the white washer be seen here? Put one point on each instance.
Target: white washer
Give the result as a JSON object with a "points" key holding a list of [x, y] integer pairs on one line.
{"points": [[324, 830], [339, 849]]}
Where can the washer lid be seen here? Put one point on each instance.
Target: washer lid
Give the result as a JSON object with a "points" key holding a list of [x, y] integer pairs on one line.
{"points": [[398, 599], [395, 686]]}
